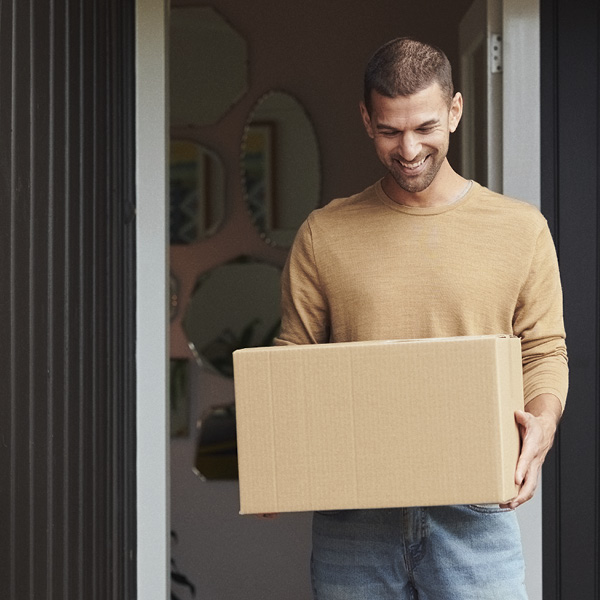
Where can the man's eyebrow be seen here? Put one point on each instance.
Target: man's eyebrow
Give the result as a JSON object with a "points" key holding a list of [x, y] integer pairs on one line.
{"points": [[385, 126], [426, 124]]}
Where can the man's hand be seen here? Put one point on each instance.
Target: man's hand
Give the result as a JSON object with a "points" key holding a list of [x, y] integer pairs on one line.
{"points": [[537, 426]]}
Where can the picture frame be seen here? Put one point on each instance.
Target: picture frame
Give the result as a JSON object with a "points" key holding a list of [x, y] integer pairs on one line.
{"points": [[259, 173]]}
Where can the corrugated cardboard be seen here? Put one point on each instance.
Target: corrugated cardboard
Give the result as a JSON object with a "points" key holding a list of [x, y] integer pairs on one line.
{"points": [[378, 424]]}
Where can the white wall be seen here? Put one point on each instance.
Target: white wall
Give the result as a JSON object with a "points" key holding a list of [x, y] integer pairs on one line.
{"points": [[228, 556]]}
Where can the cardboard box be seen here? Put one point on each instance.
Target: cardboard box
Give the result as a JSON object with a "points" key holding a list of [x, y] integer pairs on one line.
{"points": [[378, 424]]}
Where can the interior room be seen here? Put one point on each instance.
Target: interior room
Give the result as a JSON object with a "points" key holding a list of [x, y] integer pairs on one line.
{"points": [[265, 127]]}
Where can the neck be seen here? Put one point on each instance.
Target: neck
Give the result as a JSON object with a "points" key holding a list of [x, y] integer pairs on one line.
{"points": [[446, 188]]}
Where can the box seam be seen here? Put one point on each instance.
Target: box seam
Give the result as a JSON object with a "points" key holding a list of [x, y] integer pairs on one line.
{"points": [[353, 412], [272, 411], [500, 352], [308, 416]]}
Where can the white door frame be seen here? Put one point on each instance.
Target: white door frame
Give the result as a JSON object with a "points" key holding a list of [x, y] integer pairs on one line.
{"points": [[477, 28], [521, 99], [153, 510], [522, 179]]}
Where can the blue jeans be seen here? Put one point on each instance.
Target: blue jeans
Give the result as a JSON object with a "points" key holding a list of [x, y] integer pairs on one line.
{"points": [[433, 553]]}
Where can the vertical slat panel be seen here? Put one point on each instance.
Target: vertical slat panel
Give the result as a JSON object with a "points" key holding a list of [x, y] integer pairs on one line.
{"points": [[6, 405], [20, 287], [39, 333], [571, 199], [58, 276], [67, 404], [48, 131], [549, 184]]}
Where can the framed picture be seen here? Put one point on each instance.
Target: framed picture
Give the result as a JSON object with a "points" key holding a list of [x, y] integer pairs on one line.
{"points": [[259, 173], [196, 186]]}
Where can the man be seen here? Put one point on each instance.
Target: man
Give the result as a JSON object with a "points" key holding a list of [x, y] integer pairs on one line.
{"points": [[426, 253]]}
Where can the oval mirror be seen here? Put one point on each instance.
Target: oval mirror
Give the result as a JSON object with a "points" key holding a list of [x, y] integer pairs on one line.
{"points": [[197, 192], [235, 305], [208, 66], [280, 167]]}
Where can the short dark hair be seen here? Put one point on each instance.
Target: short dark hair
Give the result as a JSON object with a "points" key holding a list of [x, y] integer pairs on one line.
{"points": [[405, 66]]}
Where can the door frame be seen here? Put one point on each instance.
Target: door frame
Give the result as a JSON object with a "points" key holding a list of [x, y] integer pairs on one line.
{"points": [[521, 134], [521, 178], [153, 509], [570, 42]]}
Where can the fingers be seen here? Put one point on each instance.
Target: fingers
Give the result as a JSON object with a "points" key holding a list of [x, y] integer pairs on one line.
{"points": [[528, 488], [530, 461], [531, 439]]}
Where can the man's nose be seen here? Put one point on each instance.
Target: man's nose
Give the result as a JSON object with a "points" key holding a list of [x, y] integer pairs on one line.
{"points": [[409, 147]]}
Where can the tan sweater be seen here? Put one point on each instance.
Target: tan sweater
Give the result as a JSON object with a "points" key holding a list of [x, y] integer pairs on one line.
{"points": [[366, 268]]}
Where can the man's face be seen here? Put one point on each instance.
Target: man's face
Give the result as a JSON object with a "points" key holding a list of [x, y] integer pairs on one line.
{"points": [[412, 133]]}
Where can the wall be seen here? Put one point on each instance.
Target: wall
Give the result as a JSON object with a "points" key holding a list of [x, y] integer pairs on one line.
{"points": [[297, 48]]}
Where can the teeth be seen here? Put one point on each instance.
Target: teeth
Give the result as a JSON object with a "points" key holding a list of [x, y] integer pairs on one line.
{"points": [[412, 165]]}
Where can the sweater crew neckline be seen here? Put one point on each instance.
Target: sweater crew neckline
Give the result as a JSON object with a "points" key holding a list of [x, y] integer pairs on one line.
{"points": [[427, 210]]}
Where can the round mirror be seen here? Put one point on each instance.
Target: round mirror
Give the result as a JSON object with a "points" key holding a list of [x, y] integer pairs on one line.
{"points": [[234, 306], [197, 192], [280, 167], [208, 66]]}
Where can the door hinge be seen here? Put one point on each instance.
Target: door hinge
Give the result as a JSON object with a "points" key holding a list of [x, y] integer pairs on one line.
{"points": [[496, 53]]}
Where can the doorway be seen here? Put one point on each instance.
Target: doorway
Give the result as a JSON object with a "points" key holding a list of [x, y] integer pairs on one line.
{"points": [[286, 48]]}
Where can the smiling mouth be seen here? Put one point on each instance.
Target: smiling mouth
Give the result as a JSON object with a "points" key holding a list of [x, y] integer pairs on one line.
{"points": [[412, 166]]}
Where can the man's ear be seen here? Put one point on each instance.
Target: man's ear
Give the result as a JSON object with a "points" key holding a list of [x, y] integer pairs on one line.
{"points": [[366, 119], [456, 110]]}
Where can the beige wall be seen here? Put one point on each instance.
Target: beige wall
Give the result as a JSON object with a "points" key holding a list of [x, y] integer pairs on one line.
{"points": [[316, 51]]}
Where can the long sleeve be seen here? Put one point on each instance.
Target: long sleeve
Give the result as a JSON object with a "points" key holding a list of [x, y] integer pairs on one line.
{"points": [[366, 268], [304, 310], [538, 321]]}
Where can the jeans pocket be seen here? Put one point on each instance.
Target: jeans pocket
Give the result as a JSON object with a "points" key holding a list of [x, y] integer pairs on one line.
{"points": [[488, 508]]}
